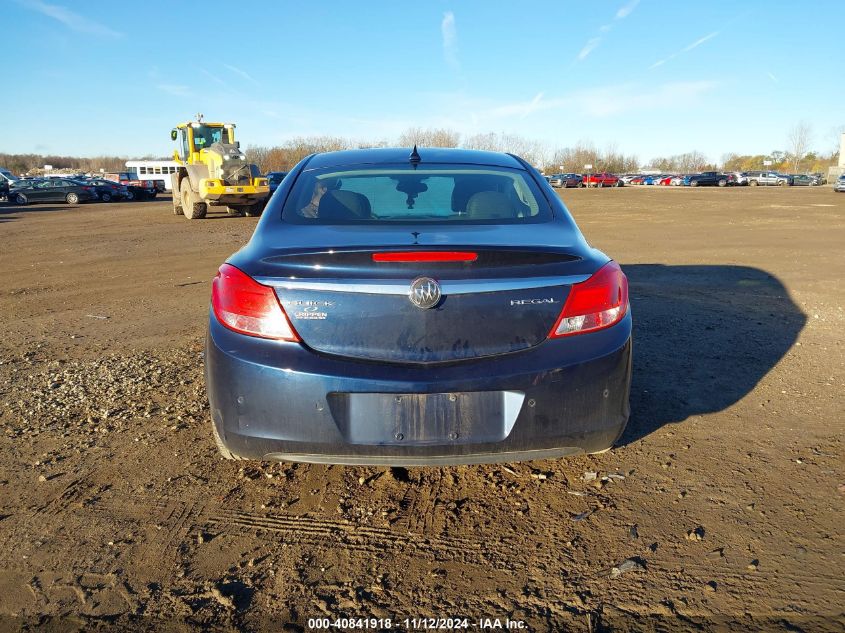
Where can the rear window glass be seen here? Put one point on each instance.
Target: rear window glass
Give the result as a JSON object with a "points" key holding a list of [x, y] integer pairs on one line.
{"points": [[399, 193]]}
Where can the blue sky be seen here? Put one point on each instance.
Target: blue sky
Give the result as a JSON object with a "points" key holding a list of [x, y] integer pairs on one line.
{"points": [[652, 78]]}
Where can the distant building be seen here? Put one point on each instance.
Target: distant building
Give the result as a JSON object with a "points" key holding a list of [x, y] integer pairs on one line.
{"points": [[834, 172], [842, 151]]}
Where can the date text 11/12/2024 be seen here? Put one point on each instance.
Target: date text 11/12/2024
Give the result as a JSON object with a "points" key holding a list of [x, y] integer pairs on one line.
{"points": [[416, 624]]}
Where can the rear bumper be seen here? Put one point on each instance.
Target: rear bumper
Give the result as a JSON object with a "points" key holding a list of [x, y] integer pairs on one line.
{"points": [[278, 401]]}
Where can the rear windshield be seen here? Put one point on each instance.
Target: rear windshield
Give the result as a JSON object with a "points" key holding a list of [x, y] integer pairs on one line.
{"points": [[399, 193]]}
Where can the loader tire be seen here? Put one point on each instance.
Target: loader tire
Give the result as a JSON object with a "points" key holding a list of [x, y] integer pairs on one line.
{"points": [[177, 203], [192, 208]]}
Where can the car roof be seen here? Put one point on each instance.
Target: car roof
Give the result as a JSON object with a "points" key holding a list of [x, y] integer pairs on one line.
{"points": [[392, 155]]}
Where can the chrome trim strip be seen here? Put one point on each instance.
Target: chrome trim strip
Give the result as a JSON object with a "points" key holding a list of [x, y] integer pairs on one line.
{"points": [[401, 287]]}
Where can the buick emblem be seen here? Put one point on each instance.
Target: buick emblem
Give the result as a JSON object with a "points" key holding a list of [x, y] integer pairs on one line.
{"points": [[424, 292]]}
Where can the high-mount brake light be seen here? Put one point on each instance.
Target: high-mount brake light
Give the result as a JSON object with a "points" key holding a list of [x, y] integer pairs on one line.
{"points": [[425, 256], [594, 304], [245, 306]]}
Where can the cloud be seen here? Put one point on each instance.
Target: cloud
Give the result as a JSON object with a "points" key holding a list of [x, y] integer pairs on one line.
{"points": [[214, 77], [177, 90], [699, 41], [607, 101], [626, 10], [685, 49], [242, 73], [72, 20], [588, 48], [592, 43], [449, 34]]}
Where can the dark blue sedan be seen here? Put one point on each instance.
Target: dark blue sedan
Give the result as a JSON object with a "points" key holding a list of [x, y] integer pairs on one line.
{"points": [[404, 307], [274, 179]]}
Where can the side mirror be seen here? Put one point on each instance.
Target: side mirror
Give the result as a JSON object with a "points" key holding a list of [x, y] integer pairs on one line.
{"points": [[174, 135]]}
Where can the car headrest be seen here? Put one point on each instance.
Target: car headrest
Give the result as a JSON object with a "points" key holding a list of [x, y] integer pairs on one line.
{"points": [[491, 205], [344, 205]]}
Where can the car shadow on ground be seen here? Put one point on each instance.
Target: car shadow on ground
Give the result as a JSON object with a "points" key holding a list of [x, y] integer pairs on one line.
{"points": [[704, 336], [11, 207]]}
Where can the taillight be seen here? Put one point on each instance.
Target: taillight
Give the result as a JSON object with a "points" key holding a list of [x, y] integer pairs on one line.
{"points": [[594, 304], [248, 307]]}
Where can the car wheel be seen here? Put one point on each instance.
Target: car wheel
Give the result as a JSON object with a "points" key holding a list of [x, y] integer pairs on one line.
{"points": [[130, 195], [752, 183], [105, 197], [21, 199], [618, 183], [782, 183], [72, 198], [693, 183], [723, 182]]}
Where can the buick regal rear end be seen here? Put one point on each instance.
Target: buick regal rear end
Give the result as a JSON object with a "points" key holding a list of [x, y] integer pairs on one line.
{"points": [[396, 307]]}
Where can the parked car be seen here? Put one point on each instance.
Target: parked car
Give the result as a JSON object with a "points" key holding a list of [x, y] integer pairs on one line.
{"points": [[740, 178], [349, 333], [709, 178], [274, 178], [767, 178], [140, 189], [50, 190], [637, 180], [602, 180], [840, 184], [108, 190], [573, 180], [802, 180], [556, 180], [819, 178]]}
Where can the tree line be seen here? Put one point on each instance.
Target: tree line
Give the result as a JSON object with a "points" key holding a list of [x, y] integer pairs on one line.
{"points": [[550, 159]]}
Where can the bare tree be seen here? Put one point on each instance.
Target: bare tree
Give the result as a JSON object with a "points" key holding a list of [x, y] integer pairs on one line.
{"points": [[429, 137], [799, 141]]}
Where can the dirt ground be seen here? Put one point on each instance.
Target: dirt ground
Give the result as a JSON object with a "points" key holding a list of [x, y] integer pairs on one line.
{"points": [[722, 508]]}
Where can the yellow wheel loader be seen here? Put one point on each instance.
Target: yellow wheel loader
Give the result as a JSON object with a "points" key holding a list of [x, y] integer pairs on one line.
{"points": [[213, 171]]}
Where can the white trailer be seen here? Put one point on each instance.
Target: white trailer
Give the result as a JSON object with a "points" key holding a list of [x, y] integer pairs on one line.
{"points": [[157, 170]]}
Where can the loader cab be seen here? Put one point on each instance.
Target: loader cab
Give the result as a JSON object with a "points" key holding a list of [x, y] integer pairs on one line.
{"points": [[192, 138]]}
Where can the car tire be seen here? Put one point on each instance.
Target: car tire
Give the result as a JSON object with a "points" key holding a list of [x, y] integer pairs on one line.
{"points": [[254, 210], [693, 183], [783, 183], [753, 183], [722, 182], [105, 197], [21, 199], [72, 198], [221, 447], [618, 183], [130, 196], [580, 185], [192, 208]]}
